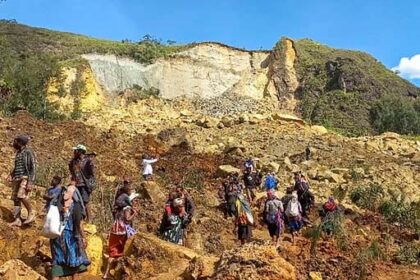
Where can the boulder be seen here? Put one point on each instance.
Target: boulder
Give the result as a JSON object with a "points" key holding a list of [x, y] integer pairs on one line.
{"points": [[94, 250], [243, 119], [17, 270], [227, 122], [254, 261], [225, 170], [315, 275], [153, 192], [287, 118], [319, 129], [273, 167]]}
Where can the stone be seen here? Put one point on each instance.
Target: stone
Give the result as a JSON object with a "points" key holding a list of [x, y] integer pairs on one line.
{"points": [[17, 270], [274, 167], [227, 122], [225, 170], [94, 250], [288, 118], [288, 164], [264, 261], [319, 129], [185, 113], [152, 191], [243, 119], [315, 275], [338, 170]]}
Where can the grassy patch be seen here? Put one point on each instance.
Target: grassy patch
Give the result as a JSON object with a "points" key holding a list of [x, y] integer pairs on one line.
{"points": [[409, 253], [339, 87], [368, 197]]}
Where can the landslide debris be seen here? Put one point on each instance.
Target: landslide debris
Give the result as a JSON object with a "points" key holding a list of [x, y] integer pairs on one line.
{"points": [[254, 261]]}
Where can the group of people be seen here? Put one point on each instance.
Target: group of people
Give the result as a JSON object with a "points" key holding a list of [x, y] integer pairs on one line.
{"points": [[68, 250], [291, 210]]}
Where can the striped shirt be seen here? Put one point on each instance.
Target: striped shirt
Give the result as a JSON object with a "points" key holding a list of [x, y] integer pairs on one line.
{"points": [[24, 165]]}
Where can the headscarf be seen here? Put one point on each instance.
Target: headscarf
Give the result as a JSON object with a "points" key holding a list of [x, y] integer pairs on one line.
{"points": [[178, 202], [133, 196], [293, 208]]}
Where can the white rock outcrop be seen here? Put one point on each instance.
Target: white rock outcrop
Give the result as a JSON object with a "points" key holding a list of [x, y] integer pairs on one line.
{"points": [[206, 70]]}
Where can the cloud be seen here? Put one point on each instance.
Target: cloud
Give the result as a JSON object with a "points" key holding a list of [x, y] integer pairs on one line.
{"points": [[409, 67]]}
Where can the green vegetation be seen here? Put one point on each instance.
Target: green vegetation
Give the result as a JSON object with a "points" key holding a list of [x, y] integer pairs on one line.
{"points": [[395, 209], [396, 113], [398, 210], [367, 197], [47, 170], [23, 82], [333, 225], [68, 46], [339, 87], [409, 253], [31, 57], [138, 93], [367, 256]]}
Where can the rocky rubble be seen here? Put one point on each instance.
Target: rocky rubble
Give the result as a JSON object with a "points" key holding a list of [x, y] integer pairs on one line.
{"points": [[18, 270], [254, 261]]}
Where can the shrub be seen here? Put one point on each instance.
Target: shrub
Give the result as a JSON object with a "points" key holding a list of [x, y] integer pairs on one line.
{"points": [[396, 113], [368, 198], [193, 179], [409, 253], [367, 256], [397, 210], [332, 224], [46, 170]]}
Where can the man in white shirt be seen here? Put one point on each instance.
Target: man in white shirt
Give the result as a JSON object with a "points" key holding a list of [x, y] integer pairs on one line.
{"points": [[147, 166]]}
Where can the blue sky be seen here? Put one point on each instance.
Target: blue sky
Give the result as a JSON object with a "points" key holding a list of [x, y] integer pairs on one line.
{"points": [[387, 29]]}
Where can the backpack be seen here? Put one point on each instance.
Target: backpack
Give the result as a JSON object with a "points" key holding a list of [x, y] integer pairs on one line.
{"points": [[273, 218], [270, 182]]}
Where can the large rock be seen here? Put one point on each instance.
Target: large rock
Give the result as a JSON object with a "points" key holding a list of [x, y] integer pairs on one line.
{"points": [[17, 270], [288, 118], [225, 170], [94, 250], [152, 191], [319, 129], [147, 256], [254, 261], [174, 137]]}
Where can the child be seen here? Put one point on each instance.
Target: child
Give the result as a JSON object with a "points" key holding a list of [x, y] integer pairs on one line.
{"points": [[53, 191]]}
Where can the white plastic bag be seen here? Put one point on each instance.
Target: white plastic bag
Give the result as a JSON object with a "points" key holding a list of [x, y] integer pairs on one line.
{"points": [[52, 228]]}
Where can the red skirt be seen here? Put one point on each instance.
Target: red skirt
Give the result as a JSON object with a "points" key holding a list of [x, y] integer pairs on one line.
{"points": [[116, 245]]}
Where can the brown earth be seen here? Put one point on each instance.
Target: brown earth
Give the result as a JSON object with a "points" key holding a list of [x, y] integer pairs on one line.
{"points": [[213, 252]]}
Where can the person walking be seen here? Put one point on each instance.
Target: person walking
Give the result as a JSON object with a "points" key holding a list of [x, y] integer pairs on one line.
{"points": [[126, 206], [22, 179], [82, 170], [273, 216], [68, 251]]}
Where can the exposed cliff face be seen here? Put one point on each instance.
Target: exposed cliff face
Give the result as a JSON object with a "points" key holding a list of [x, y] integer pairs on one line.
{"points": [[206, 71], [283, 74]]}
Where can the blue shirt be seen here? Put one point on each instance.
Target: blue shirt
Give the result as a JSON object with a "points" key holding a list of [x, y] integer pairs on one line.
{"points": [[52, 192]]}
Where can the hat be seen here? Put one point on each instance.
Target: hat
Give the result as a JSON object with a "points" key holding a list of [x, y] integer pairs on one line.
{"points": [[80, 147], [133, 196], [23, 139]]}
